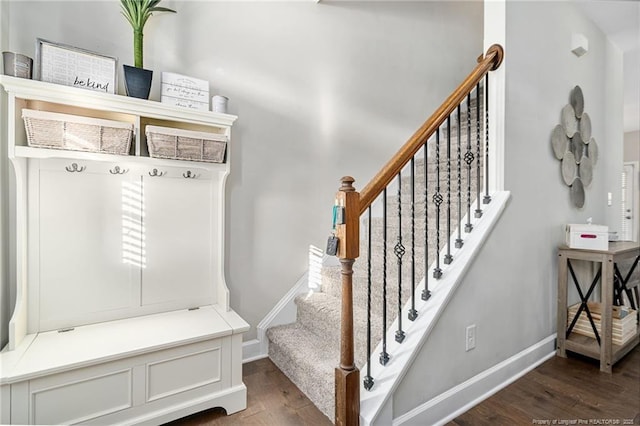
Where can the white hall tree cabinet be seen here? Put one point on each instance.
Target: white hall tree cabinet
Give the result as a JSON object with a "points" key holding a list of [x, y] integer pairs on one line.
{"points": [[122, 311]]}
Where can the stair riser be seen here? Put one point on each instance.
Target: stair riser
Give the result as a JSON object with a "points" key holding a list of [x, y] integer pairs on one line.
{"points": [[314, 392]]}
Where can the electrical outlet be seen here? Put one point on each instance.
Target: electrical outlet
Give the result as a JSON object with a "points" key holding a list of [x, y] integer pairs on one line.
{"points": [[470, 337]]}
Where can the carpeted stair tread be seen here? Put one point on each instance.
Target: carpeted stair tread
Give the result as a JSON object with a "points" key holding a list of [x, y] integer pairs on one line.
{"points": [[307, 361], [320, 312]]}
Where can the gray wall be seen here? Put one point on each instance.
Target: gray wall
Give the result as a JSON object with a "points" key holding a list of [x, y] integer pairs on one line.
{"points": [[510, 290], [321, 90]]}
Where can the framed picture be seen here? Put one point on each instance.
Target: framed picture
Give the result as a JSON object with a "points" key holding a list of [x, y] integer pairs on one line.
{"points": [[72, 66]]}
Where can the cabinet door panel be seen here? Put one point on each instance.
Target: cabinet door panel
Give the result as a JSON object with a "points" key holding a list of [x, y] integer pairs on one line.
{"points": [[177, 241], [82, 272]]}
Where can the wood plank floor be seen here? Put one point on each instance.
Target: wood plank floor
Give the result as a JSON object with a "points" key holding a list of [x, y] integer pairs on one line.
{"points": [[272, 400], [569, 391]]}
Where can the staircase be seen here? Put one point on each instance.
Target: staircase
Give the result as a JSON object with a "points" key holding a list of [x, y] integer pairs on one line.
{"points": [[407, 231], [308, 350]]}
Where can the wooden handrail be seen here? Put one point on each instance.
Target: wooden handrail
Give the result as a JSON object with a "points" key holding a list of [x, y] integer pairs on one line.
{"points": [[354, 204], [372, 190]]}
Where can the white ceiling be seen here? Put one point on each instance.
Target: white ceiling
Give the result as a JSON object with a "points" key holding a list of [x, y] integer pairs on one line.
{"points": [[620, 21]]}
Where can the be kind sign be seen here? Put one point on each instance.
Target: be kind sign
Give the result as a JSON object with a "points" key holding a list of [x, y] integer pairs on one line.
{"points": [[71, 66]]}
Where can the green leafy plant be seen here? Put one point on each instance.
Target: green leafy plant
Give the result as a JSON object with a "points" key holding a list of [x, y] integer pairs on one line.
{"points": [[137, 13]]}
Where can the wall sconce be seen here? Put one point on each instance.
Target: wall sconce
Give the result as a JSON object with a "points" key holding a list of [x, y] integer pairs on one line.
{"points": [[579, 44]]}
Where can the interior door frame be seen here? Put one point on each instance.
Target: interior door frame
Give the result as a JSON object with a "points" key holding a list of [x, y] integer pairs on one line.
{"points": [[634, 181]]}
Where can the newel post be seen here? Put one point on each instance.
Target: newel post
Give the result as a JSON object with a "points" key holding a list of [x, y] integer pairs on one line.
{"points": [[347, 390]]}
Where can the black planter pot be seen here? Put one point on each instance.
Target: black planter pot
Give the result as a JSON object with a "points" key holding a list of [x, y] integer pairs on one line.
{"points": [[137, 81]]}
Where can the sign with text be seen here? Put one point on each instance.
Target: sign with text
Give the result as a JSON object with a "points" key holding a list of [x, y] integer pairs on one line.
{"points": [[72, 66]]}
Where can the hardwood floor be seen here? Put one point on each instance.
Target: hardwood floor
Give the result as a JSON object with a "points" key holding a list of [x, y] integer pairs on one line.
{"points": [[569, 391], [272, 400]]}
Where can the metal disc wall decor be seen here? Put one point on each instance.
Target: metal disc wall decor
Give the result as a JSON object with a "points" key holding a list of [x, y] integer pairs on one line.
{"points": [[592, 151], [559, 142], [569, 168], [576, 193], [585, 170], [585, 127], [569, 120], [575, 147], [577, 101]]}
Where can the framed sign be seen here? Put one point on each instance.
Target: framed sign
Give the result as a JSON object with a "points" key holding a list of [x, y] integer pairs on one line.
{"points": [[72, 66]]}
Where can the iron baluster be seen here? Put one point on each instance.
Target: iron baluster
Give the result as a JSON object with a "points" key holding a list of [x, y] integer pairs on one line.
{"points": [[468, 159], [487, 198], [399, 251], [413, 314], [384, 356], [447, 257], [426, 294], [459, 241], [437, 200], [368, 380], [478, 212]]}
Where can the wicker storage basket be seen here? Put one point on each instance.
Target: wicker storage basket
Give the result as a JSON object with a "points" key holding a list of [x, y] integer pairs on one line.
{"points": [[63, 131], [179, 144]]}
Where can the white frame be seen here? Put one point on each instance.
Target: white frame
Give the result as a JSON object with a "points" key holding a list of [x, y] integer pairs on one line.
{"points": [[88, 70]]}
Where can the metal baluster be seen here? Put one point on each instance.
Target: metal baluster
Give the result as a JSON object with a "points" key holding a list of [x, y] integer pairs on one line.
{"points": [[426, 294], [384, 356], [368, 380], [487, 198], [413, 314], [468, 159], [459, 241], [478, 212], [399, 251], [448, 258], [437, 199]]}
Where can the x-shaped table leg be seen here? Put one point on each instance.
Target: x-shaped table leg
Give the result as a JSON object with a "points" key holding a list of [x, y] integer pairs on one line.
{"points": [[583, 301]]}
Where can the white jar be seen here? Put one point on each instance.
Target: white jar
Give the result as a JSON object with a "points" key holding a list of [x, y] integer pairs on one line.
{"points": [[219, 103]]}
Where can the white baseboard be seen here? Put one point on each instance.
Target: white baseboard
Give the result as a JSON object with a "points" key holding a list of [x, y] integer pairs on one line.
{"points": [[251, 351], [459, 399]]}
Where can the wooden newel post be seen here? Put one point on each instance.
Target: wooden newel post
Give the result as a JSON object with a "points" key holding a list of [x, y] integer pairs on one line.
{"points": [[347, 391]]}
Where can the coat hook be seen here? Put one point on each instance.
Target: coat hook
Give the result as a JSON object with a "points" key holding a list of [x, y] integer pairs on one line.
{"points": [[74, 168], [118, 171], [189, 175], [155, 172]]}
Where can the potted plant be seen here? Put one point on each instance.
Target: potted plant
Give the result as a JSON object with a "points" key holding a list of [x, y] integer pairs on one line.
{"points": [[137, 79]]}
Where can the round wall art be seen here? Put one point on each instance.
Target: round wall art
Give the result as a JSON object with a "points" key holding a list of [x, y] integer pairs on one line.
{"points": [[574, 146]]}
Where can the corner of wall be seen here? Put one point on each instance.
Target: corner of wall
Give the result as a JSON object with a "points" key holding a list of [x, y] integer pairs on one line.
{"points": [[4, 193]]}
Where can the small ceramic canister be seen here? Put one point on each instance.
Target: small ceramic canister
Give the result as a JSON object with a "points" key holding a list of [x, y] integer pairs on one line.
{"points": [[17, 65], [219, 103]]}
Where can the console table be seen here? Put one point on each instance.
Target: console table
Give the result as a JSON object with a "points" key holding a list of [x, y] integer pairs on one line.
{"points": [[607, 352]]}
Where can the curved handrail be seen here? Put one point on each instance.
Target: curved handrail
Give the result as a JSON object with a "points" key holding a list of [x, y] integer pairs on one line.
{"points": [[372, 190]]}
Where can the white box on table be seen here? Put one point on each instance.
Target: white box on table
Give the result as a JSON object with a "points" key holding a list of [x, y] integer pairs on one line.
{"points": [[588, 237]]}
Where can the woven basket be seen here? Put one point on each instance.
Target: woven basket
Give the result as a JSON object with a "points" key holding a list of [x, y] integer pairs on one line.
{"points": [[179, 144], [63, 131]]}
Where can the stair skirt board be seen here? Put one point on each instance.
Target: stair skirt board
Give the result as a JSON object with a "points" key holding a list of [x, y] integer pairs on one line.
{"points": [[461, 398], [387, 378]]}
